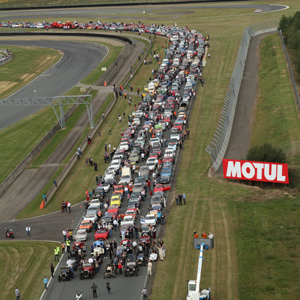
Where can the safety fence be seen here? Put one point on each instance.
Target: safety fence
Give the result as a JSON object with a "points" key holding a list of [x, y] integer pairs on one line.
{"points": [[219, 143], [290, 68]]}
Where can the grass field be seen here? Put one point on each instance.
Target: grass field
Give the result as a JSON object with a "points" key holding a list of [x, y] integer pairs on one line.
{"points": [[24, 265], [256, 231]]}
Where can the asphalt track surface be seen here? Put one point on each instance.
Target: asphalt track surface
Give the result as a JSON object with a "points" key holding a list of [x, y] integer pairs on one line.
{"points": [[78, 60]]}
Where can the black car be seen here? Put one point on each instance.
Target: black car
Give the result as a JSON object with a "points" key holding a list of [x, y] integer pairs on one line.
{"points": [[131, 268], [65, 274]]}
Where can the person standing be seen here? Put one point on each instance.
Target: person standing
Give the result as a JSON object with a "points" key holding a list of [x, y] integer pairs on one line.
{"points": [[115, 222], [17, 293], [144, 293], [54, 182], [149, 269], [45, 280], [64, 233], [45, 198], [52, 270], [180, 199], [107, 283], [160, 252], [68, 244], [183, 198], [94, 288], [28, 230], [69, 207]]}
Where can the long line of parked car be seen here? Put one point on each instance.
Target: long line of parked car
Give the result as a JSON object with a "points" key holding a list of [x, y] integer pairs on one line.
{"points": [[131, 195]]}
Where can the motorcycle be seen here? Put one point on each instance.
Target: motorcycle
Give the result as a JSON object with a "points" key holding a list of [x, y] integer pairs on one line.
{"points": [[9, 234], [79, 295]]}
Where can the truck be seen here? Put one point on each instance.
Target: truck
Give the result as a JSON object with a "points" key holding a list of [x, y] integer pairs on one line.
{"points": [[194, 292]]}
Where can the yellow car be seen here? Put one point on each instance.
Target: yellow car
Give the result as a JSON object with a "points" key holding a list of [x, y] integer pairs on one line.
{"points": [[115, 200]]}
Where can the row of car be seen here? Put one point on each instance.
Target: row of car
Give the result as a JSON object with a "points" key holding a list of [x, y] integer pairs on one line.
{"points": [[146, 139], [141, 169], [172, 32]]}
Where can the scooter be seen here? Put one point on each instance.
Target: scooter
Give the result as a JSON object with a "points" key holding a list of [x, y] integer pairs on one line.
{"points": [[9, 234], [79, 295]]}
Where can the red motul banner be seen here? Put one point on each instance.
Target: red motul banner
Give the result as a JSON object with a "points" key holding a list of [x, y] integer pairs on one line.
{"points": [[255, 170]]}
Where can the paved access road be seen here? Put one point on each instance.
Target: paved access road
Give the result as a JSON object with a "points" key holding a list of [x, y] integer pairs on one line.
{"points": [[78, 60]]}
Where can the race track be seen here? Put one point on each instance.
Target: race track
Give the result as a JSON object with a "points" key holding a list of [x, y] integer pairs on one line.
{"points": [[78, 60]]}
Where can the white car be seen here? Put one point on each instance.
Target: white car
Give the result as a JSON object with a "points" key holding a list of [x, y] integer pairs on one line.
{"points": [[90, 216], [151, 163], [105, 186], [138, 114], [95, 201], [81, 235], [124, 146], [148, 220], [154, 140], [175, 136], [125, 179], [137, 121], [115, 165], [170, 151], [127, 221], [173, 147], [108, 176]]}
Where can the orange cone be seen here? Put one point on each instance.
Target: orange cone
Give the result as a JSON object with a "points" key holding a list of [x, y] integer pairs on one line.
{"points": [[42, 204], [105, 84]]}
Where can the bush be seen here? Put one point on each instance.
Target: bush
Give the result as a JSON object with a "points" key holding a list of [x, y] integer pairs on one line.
{"points": [[266, 153]]}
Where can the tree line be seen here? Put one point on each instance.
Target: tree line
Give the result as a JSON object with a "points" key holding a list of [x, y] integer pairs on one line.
{"points": [[290, 27]]}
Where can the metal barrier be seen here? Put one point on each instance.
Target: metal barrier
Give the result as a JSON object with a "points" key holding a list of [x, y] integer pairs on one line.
{"points": [[290, 67], [7, 56], [219, 143]]}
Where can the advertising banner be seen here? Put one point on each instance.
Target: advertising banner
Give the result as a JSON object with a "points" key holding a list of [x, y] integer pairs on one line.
{"points": [[255, 170]]}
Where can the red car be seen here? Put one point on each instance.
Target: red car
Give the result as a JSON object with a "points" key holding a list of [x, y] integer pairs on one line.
{"points": [[101, 234], [88, 270], [161, 188], [178, 125], [113, 211]]}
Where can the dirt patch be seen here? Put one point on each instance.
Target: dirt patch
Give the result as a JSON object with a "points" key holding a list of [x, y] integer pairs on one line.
{"points": [[42, 62], [6, 85], [26, 77]]}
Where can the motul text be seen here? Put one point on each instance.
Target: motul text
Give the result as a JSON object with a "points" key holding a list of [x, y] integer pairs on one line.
{"points": [[255, 170]]}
